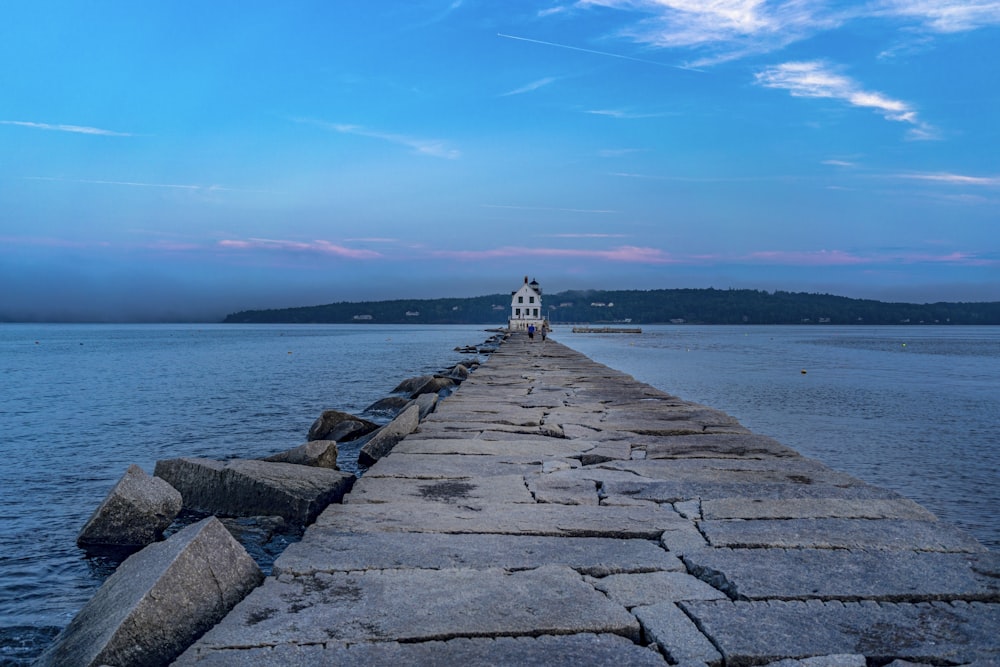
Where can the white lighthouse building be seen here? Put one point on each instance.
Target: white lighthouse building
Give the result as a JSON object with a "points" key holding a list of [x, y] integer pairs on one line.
{"points": [[526, 307]]}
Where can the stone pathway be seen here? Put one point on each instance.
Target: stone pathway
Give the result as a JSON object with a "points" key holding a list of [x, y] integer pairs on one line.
{"points": [[554, 511]]}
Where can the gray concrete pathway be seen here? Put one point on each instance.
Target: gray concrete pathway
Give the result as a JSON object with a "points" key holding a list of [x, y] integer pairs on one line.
{"points": [[554, 511]]}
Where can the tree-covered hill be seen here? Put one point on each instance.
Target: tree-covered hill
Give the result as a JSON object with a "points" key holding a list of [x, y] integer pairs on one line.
{"points": [[691, 306]]}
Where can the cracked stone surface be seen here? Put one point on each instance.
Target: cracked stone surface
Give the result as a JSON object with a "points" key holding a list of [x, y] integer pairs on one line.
{"points": [[753, 633], [544, 651], [644, 522], [633, 590], [553, 511], [419, 605], [330, 550], [677, 635], [478, 490], [840, 534], [787, 574]]}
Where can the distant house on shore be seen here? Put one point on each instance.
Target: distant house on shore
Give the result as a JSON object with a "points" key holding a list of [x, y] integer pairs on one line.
{"points": [[526, 307], [363, 318]]}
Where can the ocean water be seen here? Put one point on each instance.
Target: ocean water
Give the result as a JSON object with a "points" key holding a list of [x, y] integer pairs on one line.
{"points": [[79, 403], [916, 409]]}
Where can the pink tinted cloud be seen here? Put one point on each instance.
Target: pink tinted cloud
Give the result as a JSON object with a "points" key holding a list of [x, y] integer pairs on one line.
{"points": [[319, 246], [808, 257], [963, 258], [627, 254], [173, 246], [50, 242], [842, 258]]}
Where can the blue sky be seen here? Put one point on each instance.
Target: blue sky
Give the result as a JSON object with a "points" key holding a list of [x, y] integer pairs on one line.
{"points": [[165, 160]]}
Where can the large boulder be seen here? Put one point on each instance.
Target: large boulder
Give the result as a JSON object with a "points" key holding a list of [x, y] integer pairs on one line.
{"points": [[390, 405], [339, 426], [246, 487], [135, 513], [316, 453], [459, 373], [426, 403], [159, 601], [386, 438], [410, 385], [433, 386]]}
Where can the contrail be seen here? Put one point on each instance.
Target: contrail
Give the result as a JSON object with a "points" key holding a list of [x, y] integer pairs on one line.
{"points": [[599, 53]]}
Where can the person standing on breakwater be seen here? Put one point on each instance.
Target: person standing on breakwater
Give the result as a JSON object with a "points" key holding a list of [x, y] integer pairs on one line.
{"points": [[531, 331], [544, 330]]}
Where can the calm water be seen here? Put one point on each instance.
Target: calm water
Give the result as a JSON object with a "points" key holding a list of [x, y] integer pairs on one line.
{"points": [[79, 403], [915, 409]]}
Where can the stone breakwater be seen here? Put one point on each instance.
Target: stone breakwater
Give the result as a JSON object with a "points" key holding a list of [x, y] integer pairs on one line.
{"points": [[555, 511]]}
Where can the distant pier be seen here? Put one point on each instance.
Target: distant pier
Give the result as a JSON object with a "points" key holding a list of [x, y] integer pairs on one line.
{"points": [[554, 511], [604, 330]]}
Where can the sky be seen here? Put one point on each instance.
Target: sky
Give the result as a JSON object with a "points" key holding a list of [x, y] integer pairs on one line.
{"points": [[183, 160]]}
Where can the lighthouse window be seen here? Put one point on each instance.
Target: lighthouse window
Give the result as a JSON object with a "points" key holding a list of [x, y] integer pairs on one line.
{"points": [[517, 311], [531, 299], [536, 312], [520, 299]]}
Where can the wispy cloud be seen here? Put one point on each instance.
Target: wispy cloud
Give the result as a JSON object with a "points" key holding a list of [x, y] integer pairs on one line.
{"points": [[534, 85], [699, 179], [839, 163], [139, 184], [318, 247], [845, 258], [726, 29], [946, 16], [953, 179], [817, 79], [550, 208], [542, 13], [430, 147], [620, 152], [622, 114], [584, 236], [76, 129], [51, 242], [807, 258], [626, 254], [591, 51]]}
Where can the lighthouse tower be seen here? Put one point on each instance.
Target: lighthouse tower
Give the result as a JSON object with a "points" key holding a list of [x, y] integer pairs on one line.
{"points": [[526, 307]]}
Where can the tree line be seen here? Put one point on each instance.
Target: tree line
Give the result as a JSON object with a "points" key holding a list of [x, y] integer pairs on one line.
{"points": [[687, 306]]}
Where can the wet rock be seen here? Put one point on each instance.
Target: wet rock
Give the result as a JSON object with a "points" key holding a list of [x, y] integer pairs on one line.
{"points": [[410, 385], [382, 442], [458, 373], [426, 403], [135, 513], [339, 426], [243, 487], [390, 405], [433, 386], [317, 453], [159, 601]]}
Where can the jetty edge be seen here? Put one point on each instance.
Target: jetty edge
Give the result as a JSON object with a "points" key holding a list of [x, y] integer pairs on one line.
{"points": [[166, 593], [555, 511]]}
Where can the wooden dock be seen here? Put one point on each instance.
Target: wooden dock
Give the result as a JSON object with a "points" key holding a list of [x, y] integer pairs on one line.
{"points": [[553, 511]]}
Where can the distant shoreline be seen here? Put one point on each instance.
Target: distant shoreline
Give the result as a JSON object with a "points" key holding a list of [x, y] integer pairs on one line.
{"points": [[638, 307]]}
